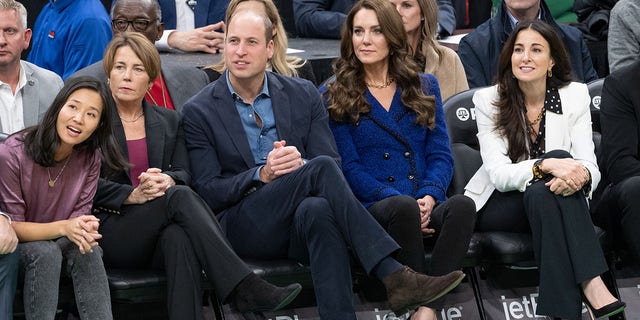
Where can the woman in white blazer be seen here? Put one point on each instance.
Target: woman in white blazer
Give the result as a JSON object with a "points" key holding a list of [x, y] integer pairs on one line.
{"points": [[534, 129]]}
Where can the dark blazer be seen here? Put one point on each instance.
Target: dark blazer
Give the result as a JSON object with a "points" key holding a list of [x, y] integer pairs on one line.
{"points": [[480, 50], [165, 148], [324, 18], [182, 82], [206, 12], [222, 161], [620, 122]]}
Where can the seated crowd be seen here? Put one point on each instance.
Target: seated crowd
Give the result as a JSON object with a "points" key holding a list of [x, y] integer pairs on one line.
{"points": [[136, 162]]}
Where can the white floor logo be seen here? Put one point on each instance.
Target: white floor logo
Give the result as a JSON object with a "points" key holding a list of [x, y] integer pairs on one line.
{"points": [[520, 309]]}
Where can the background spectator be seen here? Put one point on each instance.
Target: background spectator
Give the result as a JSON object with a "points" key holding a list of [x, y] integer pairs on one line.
{"points": [[324, 18], [479, 50], [176, 83], [193, 25], [620, 160], [420, 18], [26, 90], [624, 34], [69, 35]]}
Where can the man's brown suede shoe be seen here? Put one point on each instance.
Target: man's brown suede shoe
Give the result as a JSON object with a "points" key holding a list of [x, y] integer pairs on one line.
{"points": [[407, 289]]}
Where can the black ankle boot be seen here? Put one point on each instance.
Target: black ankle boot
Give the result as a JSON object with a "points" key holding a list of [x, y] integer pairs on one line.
{"points": [[255, 294]]}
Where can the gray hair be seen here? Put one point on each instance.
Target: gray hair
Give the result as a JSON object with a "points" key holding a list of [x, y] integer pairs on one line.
{"points": [[17, 7]]}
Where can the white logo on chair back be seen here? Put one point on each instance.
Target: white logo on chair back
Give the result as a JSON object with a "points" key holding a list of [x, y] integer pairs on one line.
{"points": [[463, 114], [595, 101]]}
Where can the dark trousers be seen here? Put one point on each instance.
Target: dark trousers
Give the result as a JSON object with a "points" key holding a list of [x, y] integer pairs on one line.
{"points": [[177, 233], [619, 209], [310, 215], [8, 281], [453, 220], [564, 241]]}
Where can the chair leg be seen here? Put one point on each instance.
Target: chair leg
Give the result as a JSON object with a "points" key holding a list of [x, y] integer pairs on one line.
{"points": [[475, 285], [216, 305]]}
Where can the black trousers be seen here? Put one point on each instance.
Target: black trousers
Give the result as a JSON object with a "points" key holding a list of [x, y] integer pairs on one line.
{"points": [[178, 233], [453, 220], [619, 209], [564, 241], [310, 215]]}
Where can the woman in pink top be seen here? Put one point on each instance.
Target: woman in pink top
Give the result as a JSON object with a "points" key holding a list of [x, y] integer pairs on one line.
{"points": [[48, 179]]}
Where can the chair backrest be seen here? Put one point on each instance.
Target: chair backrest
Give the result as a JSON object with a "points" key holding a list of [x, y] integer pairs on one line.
{"points": [[595, 91], [460, 116]]}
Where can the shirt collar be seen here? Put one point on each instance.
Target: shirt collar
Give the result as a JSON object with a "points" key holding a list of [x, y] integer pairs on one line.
{"points": [[236, 96], [514, 21], [22, 80], [552, 101]]}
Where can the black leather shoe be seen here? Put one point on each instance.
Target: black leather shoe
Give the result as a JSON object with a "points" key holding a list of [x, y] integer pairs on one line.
{"points": [[253, 294], [611, 309], [407, 289]]}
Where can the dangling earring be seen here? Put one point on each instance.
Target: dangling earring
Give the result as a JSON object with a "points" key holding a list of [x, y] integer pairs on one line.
{"points": [[549, 73]]}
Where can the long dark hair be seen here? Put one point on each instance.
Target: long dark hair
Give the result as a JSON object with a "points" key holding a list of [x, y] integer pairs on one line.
{"points": [[346, 95], [42, 141], [511, 104]]}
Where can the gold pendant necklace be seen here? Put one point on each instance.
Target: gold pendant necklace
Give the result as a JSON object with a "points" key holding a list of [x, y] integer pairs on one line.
{"points": [[52, 182]]}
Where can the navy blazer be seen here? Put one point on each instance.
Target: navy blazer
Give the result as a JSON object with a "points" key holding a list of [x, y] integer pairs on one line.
{"points": [[165, 149], [206, 12], [324, 18], [221, 159], [480, 50]]}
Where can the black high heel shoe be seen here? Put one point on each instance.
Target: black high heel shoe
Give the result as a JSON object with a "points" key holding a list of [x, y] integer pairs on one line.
{"points": [[612, 308]]}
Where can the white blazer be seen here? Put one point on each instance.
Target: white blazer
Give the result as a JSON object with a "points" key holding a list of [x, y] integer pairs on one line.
{"points": [[570, 131]]}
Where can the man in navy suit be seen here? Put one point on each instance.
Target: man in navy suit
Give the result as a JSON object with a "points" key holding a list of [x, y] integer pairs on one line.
{"points": [[264, 159]]}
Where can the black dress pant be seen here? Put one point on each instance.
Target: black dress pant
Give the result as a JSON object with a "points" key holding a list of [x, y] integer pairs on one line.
{"points": [[564, 241], [310, 215], [453, 220], [178, 233]]}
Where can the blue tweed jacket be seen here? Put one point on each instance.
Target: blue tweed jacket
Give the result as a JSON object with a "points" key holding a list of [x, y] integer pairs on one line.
{"points": [[386, 153]]}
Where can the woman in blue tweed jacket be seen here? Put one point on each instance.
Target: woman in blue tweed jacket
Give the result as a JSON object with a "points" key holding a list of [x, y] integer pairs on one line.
{"points": [[389, 127]]}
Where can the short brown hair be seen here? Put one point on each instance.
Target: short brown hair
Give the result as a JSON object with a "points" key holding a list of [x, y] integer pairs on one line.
{"points": [[141, 46]]}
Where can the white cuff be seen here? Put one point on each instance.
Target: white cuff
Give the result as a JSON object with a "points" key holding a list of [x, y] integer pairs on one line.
{"points": [[163, 43]]}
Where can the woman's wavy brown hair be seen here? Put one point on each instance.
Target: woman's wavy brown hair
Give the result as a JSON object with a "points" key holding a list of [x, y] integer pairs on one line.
{"points": [[511, 105], [346, 95]]}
